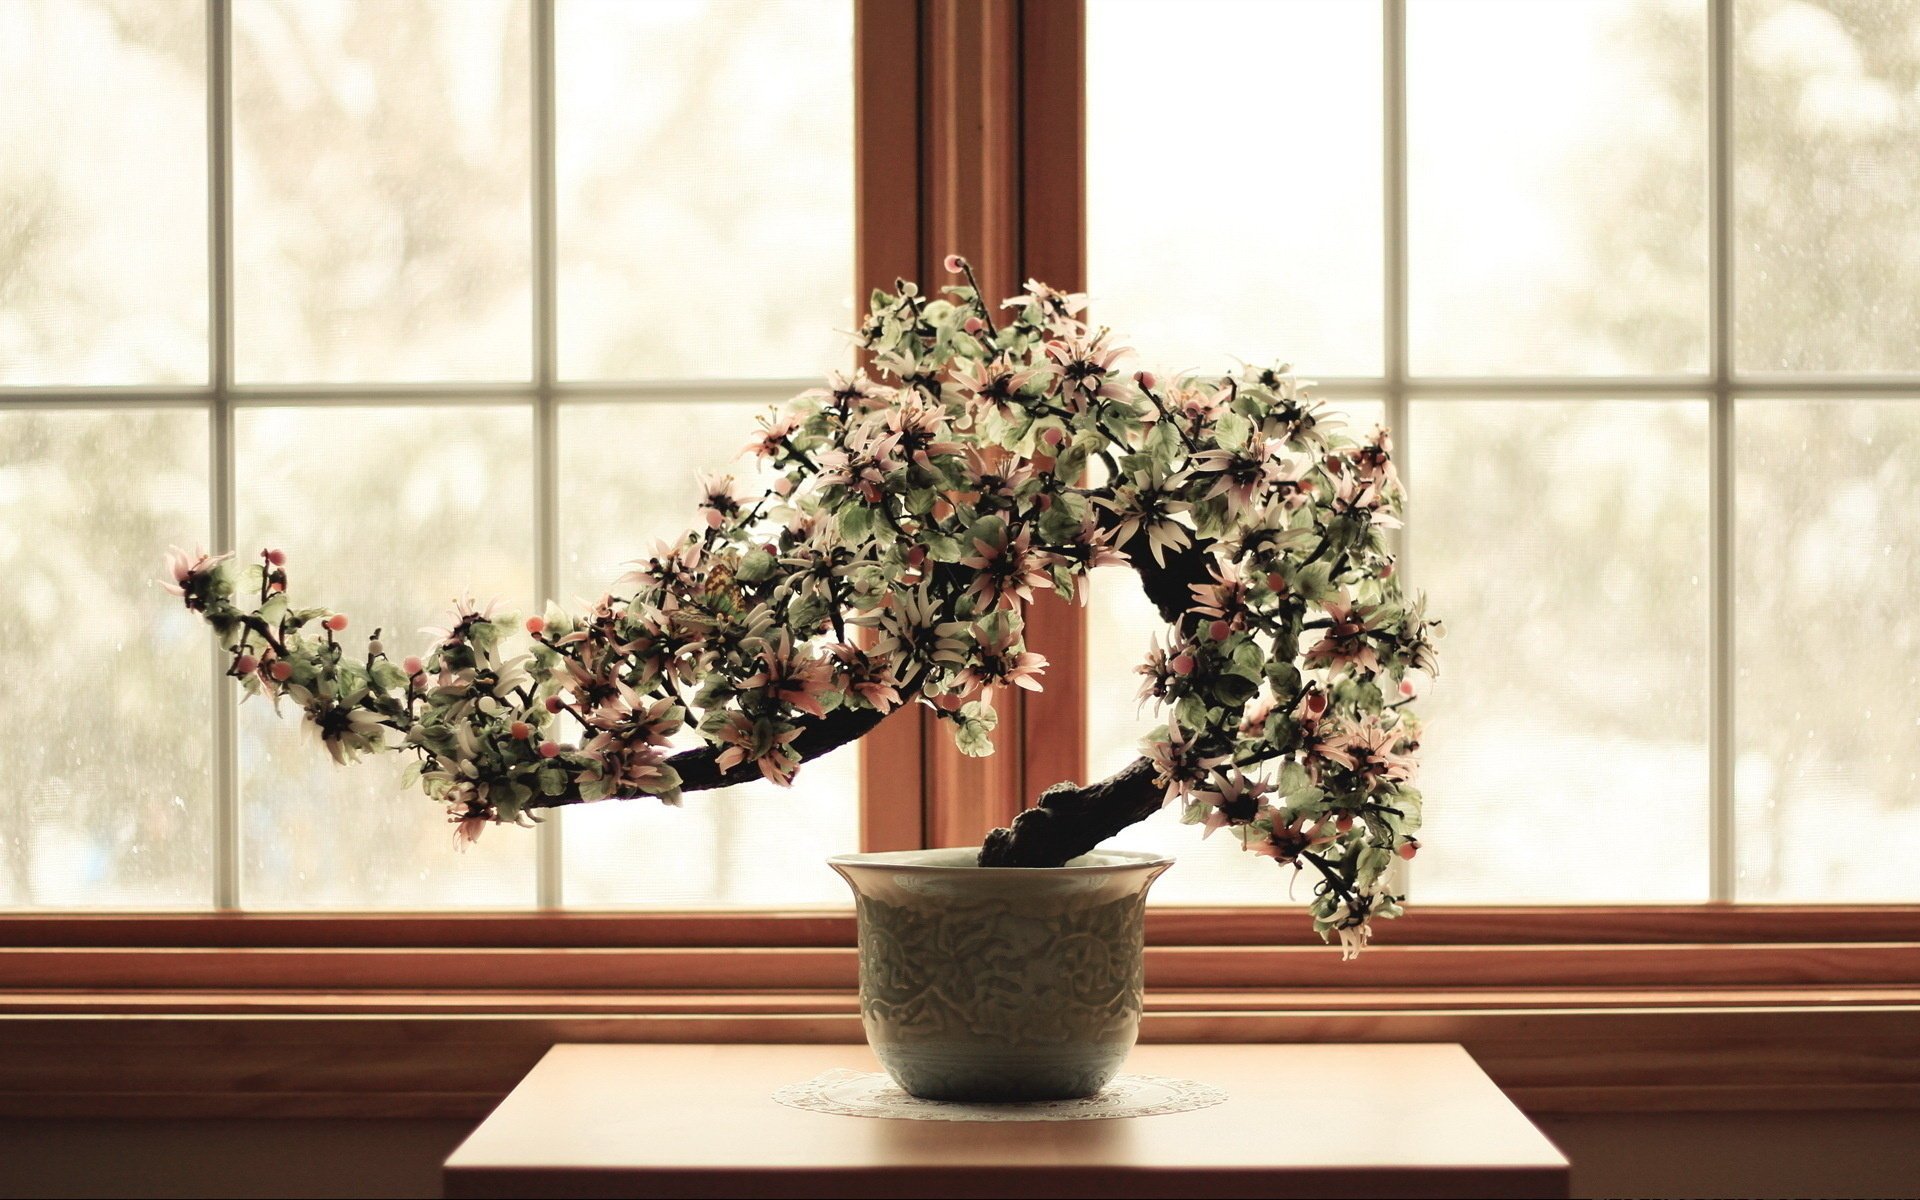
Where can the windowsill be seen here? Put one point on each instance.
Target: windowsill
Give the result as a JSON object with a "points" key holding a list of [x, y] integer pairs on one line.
{"points": [[1626, 1009]]}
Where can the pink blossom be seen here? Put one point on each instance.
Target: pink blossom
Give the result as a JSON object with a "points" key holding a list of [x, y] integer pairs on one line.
{"points": [[184, 569], [1234, 799], [1344, 644], [1178, 764], [793, 677], [767, 746], [1005, 573], [994, 663], [865, 676]]}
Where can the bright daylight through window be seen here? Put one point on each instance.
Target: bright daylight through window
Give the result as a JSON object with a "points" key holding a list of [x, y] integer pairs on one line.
{"points": [[1535, 303], [453, 260], [1664, 456]]}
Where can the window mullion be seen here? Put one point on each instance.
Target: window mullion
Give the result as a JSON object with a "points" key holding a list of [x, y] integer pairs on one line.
{"points": [[226, 755], [548, 875], [1393, 110], [1722, 860]]}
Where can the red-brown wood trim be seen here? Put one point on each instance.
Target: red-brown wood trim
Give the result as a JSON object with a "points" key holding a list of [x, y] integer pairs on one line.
{"points": [[1053, 248], [1595, 968], [395, 1062], [887, 222], [1427, 925], [970, 130]]}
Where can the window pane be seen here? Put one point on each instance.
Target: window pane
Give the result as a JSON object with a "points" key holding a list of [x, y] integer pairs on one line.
{"points": [[705, 155], [382, 226], [1565, 545], [1213, 870], [1826, 122], [103, 192], [1828, 701], [627, 481], [107, 676], [385, 514], [1233, 181], [1557, 186]]}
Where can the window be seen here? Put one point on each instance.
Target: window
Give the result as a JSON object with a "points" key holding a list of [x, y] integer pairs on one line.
{"points": [[1634, 283], [453, 296], [444, 297]]}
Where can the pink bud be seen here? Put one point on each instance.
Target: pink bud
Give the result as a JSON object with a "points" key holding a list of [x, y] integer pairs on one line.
{"points": [[277, 557], [554, 704], [549, 749], [1145, 380], [281, 670], [1406, 687], [519, 731], [1344, 823], [536, 625], [1053, 438], [1219, 630], [1182, 664], [246, 664], [1409, 849], [955, 264], [1277, 581], [714, 519], [337, 622], [783, 486], [413, 666], [916, 555], [1386, 572], [974, 325]]}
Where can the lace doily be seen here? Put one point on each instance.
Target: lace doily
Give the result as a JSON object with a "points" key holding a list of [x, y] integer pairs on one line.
{"points": [[868, 1094]]}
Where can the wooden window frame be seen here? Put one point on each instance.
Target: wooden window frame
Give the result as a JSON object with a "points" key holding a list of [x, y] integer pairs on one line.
{"points": [[970, 120]]}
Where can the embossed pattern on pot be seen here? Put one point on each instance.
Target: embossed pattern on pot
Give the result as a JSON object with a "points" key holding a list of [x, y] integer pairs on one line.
{"points": [[1000, 983]]}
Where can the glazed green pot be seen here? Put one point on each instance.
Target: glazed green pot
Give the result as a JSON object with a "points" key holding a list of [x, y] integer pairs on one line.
{"points": [[1000, 983]]}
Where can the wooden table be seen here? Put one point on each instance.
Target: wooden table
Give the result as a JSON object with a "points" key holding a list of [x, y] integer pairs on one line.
{"points": [[696, 1120]]}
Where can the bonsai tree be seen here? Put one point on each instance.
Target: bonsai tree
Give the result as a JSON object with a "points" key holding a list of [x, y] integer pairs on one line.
{"points": [[912, 510]]}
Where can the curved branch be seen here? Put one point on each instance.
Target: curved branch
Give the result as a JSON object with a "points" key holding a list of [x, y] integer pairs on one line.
{"points": [[700, 771], [1072, 818]]}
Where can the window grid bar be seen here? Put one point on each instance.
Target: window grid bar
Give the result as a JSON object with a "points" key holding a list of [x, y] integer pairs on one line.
{"points": [[226, 741], [1721, 387], [1746, 389], [1395, 391], [549, 882], [1722, 822]]}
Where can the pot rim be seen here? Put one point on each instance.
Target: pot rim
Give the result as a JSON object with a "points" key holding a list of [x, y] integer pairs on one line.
{"points": [[903, 860]]}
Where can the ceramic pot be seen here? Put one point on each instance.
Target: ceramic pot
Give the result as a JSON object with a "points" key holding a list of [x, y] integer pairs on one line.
{"points": [[1000, 983]]}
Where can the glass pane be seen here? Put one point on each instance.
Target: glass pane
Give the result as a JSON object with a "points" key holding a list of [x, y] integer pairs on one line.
{"points": [[1826, 120], [381, 195], [103, 192], [1233, 182], [705, 155], [1827, 549], [626, 481], [107, 678], [1564, 543], [386, 514], [1210, 871], [1557, 186]]}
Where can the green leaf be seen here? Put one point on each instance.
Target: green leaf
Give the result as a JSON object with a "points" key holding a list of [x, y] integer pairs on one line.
{"points": [[855, 522], [755, 567]]}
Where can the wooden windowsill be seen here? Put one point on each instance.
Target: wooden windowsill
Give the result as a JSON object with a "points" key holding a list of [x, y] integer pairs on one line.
{"points": [[430, 1015]]}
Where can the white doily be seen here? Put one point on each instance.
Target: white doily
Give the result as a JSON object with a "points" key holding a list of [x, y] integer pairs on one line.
{"points": [[868, 1094]]}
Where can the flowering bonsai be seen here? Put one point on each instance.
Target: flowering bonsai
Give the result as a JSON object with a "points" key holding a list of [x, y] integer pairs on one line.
{"points": [[912, 510]]}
